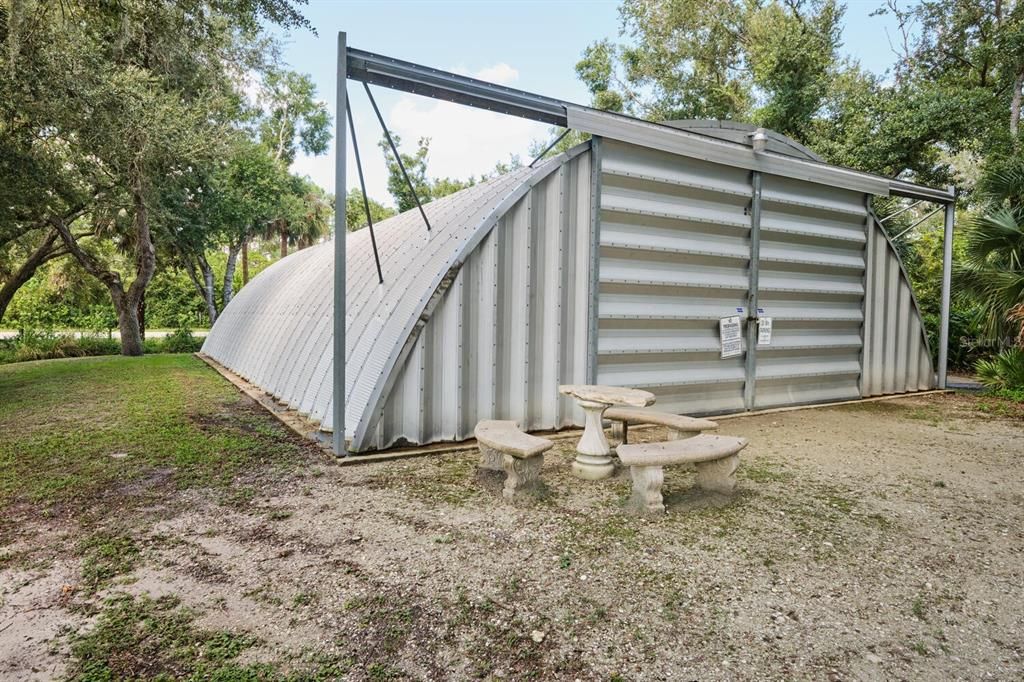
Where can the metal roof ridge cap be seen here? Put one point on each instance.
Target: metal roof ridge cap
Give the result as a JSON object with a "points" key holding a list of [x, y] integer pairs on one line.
{"points": [[371, 412], [932, 193]]}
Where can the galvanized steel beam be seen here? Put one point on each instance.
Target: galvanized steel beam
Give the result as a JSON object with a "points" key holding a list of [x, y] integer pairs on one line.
{"points": [[750, 385], [435, 83], [893, 215], [340, 236], [902, 188], [947, 274], [422, 80], [595, 257], [917, 222]]}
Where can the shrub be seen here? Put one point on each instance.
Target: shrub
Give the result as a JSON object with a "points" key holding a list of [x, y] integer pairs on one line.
{"points": [[181, 341], [1004, 371], [45, 345]]}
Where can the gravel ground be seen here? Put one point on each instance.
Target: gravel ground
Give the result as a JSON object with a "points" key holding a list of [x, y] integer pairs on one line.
{"points": [[872, 541]]}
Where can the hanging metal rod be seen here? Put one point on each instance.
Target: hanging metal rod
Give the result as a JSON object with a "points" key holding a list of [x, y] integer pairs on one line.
{"points": [[940, 208], [362, 186], [893, 215], [398, 157], [550, 147]]}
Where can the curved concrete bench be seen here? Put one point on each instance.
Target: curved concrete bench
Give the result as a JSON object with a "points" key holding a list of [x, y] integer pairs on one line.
{"points": [[716, 457], [503, 447], [679, 426]]}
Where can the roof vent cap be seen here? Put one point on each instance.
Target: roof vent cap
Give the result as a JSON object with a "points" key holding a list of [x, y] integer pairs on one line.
{"points": [[759, 138]]}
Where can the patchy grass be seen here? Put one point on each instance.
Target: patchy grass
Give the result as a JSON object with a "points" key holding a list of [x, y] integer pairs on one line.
{"points": [[105, 557], [417, 569], [143, 638], [104, 435]]}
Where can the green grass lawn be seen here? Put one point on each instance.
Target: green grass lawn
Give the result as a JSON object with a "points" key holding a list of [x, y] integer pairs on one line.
{"points": [[98, 436]]}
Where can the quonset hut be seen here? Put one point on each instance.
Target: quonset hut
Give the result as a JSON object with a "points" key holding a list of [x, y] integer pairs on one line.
{"points": [[611, 263]]}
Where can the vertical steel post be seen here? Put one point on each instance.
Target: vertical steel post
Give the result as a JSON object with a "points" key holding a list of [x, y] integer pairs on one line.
{"points": [[340, 232], [947, 276], [595, 258], [750, 385]]}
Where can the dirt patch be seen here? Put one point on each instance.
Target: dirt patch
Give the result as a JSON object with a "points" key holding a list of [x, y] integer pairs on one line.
{"points": [[871, 541]]}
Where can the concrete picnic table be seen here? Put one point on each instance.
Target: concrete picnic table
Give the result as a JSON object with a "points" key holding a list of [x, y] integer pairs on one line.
{"points": [[593, 454]]}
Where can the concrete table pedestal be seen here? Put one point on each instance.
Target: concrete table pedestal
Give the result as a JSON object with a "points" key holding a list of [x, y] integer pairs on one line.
{"points": [[593, 453]]}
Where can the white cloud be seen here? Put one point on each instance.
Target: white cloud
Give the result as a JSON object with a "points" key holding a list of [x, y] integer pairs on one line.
{"points": [[464, 141], [500, 73]]}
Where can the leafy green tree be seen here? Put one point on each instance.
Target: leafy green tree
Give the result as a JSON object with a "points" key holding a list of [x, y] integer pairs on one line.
{"points": [[309, 212], [291, 119], [792, 57], [155, 91], [427, 189], [416, 170], [355, 211]]}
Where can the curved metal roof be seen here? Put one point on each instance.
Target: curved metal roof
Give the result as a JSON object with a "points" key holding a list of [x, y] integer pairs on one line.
{"points": [[277, 331]]}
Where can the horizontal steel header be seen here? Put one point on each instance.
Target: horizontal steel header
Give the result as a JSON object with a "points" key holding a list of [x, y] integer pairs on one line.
{"points": [[437, 84], [685, 143], [422, 80]]}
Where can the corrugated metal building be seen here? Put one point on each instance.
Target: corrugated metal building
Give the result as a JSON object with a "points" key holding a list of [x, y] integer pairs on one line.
{"points": [[610, 264]]}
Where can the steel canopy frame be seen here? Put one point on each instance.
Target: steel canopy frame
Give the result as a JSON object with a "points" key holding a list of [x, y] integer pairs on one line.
{"points": [[396, 74]]}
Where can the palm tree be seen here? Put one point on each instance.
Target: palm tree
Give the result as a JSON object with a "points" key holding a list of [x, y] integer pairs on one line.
{"points": [[304, 216], [992, 268]]}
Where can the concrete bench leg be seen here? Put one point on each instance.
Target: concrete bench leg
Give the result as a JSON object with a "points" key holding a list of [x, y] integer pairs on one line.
{"points": [[522, 476], [681, 435], [620, 432], [718, 475], [646, 498], [490, 458]]}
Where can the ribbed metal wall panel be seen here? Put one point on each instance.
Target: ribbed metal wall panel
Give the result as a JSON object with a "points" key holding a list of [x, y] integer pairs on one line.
{"points": [[811, 283], [509, 330], [277, 332], [675, 251], [896, 355], [487, 314], [674, 255]]}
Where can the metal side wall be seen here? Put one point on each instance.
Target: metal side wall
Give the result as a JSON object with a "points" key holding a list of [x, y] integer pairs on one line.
{"points": [[896, 354], [510, 329], [811, 283], [674, 256]]}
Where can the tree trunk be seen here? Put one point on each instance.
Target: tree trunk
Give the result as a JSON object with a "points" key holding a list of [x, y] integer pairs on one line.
{"points": [[126, 303], [208, 292], [45, 252], [1015, 106], [228, 291], [140, 312], [127, 324], [204, 287], [284, 242], [145, 266], [245, 262]]}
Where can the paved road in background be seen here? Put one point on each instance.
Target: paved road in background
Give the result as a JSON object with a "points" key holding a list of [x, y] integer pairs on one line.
{"points": [[150, 333]]}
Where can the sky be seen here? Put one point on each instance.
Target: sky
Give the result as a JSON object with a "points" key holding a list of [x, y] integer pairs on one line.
{"points": [[528, 44]]}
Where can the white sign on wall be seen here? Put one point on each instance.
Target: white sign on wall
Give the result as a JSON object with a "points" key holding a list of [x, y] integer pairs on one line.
{"points": [[764, 331], [729, 335]]}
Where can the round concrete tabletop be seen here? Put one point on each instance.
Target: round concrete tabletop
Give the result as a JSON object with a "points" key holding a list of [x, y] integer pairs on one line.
{"points": [[609, 395]]}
